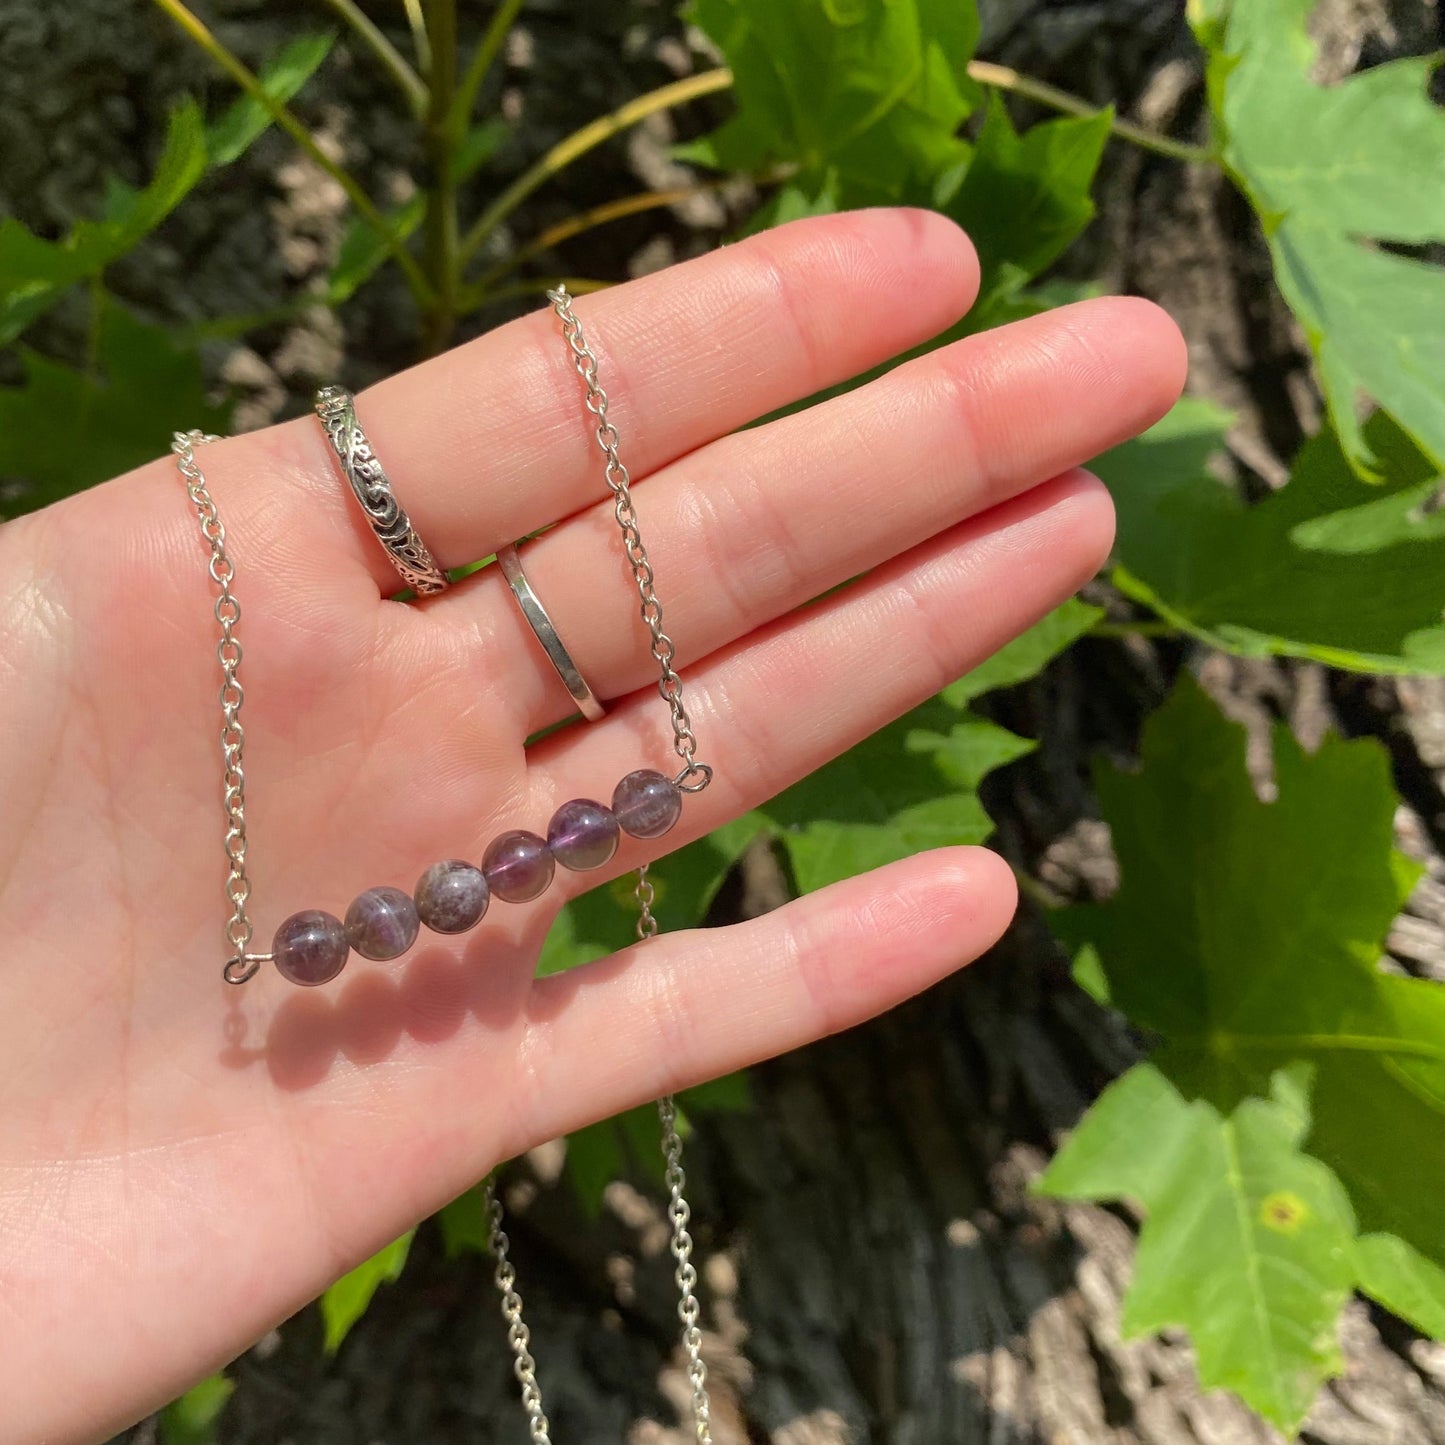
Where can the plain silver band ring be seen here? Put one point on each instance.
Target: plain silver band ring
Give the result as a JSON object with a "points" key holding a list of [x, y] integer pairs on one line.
{"points": [[409, 554], [541, 624]]}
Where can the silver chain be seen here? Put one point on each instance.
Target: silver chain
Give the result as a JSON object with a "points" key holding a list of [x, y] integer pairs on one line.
{"points": [[240, 965], [646, 896], [689, 1311], [685, 1275], [693, 778], [518, 1335]]}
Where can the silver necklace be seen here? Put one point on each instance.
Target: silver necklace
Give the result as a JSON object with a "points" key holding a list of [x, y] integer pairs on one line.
{"points": [[243, 964]]}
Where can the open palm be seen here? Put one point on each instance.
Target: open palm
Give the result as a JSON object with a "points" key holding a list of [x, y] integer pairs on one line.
{"points": [[183, 1164]]}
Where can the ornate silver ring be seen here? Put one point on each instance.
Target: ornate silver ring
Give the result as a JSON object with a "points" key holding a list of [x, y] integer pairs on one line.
{"points": [[409, 554], [552, 645]]}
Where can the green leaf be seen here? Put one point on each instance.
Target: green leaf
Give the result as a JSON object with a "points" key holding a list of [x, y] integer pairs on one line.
{"points": [[477, 147], [1088, 973], [1404, 1281], [794, 201], [1248, 1243], [605, 920], [629, 1143], [1023, 199], [192, 1419], [35, 273], [1331, 170], [362, 250], [233, 133], [913, 785], [862, 96], [346, 1301], [1247, 935], [731, 1094], [464, 1225], [595, 1158], [130, 214], [96, 427], [1329, 567], [1027, 654], [908, 787]]}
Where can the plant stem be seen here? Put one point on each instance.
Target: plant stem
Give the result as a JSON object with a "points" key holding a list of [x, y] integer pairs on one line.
{"points": [[419, 40], [392, 60], [1145, 627], [440, 227], [473, 298], [288, 122], [482, 61], [1040, 896], [239, 323], [1001, 77], [600, 216], [569, 148]]}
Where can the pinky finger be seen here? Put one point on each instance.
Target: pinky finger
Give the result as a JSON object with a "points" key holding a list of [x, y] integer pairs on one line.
{"points": [[687, 1007]]}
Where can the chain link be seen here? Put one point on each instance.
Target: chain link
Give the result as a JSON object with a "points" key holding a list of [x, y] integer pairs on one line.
{"points": [[519, 1337], [688, 1309], [646, 896], [240, 965], [695, 776]]}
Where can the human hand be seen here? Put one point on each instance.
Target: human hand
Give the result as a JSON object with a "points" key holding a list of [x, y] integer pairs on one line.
{"points": [[182, 1165]]}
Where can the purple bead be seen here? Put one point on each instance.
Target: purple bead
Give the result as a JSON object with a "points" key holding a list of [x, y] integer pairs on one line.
{"points": [[582, 834], [518, 866], [647, 804], [381, 923], [452, 896], [310, 947]]}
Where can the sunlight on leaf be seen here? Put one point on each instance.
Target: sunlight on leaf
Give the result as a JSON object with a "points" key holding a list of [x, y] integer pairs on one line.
{"points": [[1331, 169], [35, 273], [1299, 1093], [193, 1419], [234, 132], [864, 100], [346, 1301], [1023, 199]]}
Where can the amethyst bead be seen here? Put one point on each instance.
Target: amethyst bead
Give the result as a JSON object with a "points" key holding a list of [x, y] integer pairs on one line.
{"points": [[582, 834], [310, 947], [518, 866], [647, 804], [452, 896], [381, 923]]}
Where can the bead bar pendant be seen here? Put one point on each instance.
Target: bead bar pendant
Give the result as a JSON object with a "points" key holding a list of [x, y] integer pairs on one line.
{"points": [[312, 947]]}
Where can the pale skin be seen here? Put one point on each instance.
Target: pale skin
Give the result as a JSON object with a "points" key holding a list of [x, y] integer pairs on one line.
{"points": [[183, 1164]]}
